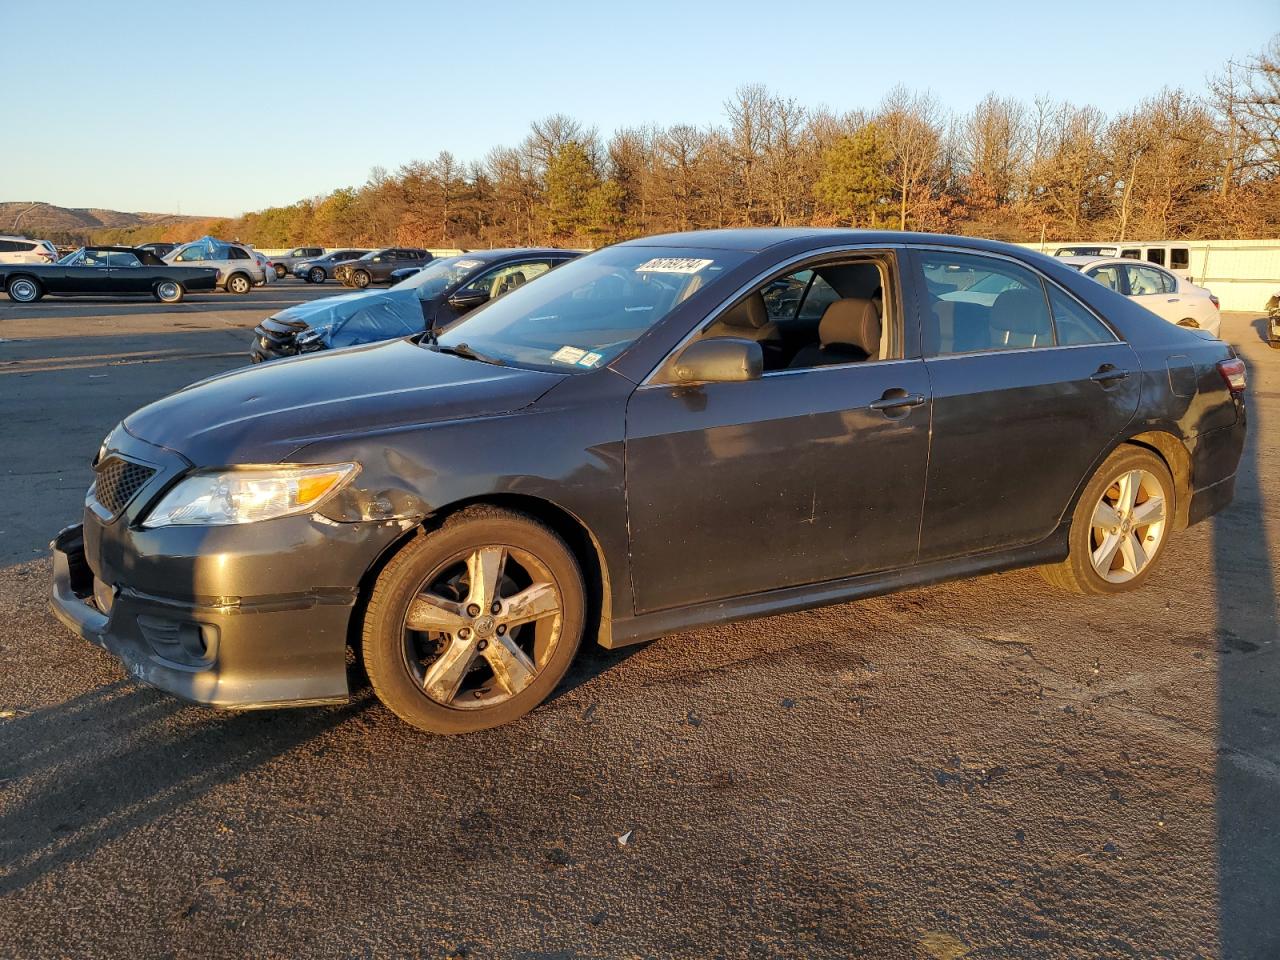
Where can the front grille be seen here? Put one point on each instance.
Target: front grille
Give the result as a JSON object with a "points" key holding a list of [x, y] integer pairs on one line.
{"points": [[118, 481]]}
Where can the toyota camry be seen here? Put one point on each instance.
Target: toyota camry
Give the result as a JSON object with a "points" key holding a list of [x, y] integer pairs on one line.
{"points": [[669, 432]]}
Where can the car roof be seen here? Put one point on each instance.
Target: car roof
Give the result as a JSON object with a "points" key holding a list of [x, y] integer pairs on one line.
{"points": [[1082, 262], [502, 252], [757, 239]]}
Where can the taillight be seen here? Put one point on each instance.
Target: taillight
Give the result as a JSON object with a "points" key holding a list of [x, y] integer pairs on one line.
{"points": [[1233, 372], [1216, 304]]}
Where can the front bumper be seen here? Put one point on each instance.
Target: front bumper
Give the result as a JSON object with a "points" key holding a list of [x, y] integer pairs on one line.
{"points": [[233, 617]]}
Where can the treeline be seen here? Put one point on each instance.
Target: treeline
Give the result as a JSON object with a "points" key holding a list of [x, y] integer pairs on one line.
{"points": [[1176, 165]]}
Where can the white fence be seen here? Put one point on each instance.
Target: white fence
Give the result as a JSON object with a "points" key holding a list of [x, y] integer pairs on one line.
{"points": [[1242, 273]]}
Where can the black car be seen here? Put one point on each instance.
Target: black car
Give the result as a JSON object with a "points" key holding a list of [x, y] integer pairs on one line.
{"points": [[377, 266], [320, 269], [104, 272], [637, 444], [431, 298]]}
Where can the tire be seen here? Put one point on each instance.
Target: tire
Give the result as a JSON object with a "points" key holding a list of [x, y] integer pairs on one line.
{"points": [[281, 272], [316, 275], [361, 279], [1148, 476], [239, 284], [25, 290], [169, 291], [404, 664]]}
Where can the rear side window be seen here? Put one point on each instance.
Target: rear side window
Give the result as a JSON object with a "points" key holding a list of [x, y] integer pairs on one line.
{"points": [[1075, 325], [978, 304], [235, 253], [1156, 255], [118, 258], [1180, 258], [1144, 281]]}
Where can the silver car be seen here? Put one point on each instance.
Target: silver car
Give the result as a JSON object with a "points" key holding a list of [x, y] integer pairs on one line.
{"points": [[239, 269]]}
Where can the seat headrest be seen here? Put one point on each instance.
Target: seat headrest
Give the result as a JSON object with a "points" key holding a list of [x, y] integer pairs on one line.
{"points": [[750, 314], [1020, 311], [854, 321]]}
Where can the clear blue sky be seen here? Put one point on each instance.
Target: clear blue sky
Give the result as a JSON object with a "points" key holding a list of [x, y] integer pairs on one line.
{"points": [[204, 107]]}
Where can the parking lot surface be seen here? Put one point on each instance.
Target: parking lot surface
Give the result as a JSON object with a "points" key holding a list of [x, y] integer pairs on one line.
{"points": [[986, 768]]}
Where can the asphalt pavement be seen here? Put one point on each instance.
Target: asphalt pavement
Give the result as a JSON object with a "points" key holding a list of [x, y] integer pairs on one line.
{"points": [[986, 768]]}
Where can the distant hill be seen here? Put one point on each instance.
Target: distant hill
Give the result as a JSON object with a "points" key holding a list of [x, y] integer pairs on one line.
{"points": [[46, 221]]}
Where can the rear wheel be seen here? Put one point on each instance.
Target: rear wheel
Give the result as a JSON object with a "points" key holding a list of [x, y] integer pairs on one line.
{"points": [[1120, 525], [474, 624], [280, 271], [316, 275], [239, 284], [169, 291], [361, 279], [25, 290]]}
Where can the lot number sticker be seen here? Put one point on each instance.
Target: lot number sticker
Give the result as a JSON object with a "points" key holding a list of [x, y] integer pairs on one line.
{"points": [[674, 265]]}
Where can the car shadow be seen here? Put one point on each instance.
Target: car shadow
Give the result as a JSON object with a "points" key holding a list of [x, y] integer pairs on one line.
{"points": [[65, 763], [1247, 773], [1262, 326]]}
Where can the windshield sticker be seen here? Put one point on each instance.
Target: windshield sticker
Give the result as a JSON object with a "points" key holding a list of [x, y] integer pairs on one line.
{"points": [[568, 355], [589, 359], [468, 264], [674, 265]]}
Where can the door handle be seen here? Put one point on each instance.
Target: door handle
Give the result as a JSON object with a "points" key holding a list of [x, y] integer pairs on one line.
{"points": [[903, 399], [1172, 300], [1107, 373]]}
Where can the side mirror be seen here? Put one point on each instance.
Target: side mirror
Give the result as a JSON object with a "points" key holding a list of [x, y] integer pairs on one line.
{"points": [[462, 302], [720, 360]]}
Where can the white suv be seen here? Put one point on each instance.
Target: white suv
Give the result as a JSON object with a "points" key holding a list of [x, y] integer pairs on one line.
{"points": [[22, 250], [239, 270]]}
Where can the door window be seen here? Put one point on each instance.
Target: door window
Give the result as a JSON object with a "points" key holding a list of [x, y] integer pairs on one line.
{"points": [[978, 303], [1179, 258], [1145, 281], [119, 258], [94, 258], [235, 253], [1108, 276], [505, 278], [1073, 323], [1131, 254], [1155, 255]]}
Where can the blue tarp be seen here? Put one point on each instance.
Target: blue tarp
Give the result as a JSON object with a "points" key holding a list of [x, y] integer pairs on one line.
{"points": [[366, 317]]}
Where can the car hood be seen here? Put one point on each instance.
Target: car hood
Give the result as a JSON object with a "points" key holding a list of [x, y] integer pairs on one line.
{"points": [[355, 318], [261, 414]]}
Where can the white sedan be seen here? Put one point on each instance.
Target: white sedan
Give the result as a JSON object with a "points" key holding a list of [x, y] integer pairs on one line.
{"points": [[1163, 293]]}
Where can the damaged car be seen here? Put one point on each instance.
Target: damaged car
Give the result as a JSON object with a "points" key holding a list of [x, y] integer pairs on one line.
{"points": [[638, 444], [432, 298]]}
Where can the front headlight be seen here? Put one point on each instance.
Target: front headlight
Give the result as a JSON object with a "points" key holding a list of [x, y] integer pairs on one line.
{"points": [[249, 494]]}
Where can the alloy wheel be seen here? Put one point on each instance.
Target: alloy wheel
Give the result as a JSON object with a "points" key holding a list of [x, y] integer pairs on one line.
{"points": [[481, 627], [1128, 525]]}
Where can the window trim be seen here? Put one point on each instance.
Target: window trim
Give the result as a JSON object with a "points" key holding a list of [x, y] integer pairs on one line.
{"points": [[794, 264]]}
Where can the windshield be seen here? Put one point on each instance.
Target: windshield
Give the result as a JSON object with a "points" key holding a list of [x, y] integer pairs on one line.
{"points": [[440, 275], [1085, 252], [582, 315]]}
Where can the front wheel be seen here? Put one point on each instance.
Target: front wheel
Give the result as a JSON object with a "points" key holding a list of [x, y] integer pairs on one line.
{"points": [[316, 275], [1119, 526], [361, 279], [474, 624], [238, 284], [169, 291], [24, 290]]}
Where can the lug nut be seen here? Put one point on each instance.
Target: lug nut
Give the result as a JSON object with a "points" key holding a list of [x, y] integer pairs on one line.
{"points": [[496, 608], [473, 610], [464, 633], [502, 628], [482, 644]]}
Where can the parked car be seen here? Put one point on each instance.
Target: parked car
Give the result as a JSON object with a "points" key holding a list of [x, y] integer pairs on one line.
{"points": [[1175, 257], [376, 266], [22, 250], [321, 268], [104, 271], [238, 270], [404, 273], [264, 262], [636, 445], [160, 249], [432, 298], [284, 264], [1160, 291], [1273, 321]]}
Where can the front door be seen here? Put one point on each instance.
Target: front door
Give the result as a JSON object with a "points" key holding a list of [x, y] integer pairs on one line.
{"points": [[804, 475]]}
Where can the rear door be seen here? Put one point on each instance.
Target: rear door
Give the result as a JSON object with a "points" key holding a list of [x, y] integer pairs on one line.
{"points": [[1029, 389], [125, 273]]}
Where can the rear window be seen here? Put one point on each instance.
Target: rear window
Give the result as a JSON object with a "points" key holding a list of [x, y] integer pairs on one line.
{"points": [[1180, 258]]}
